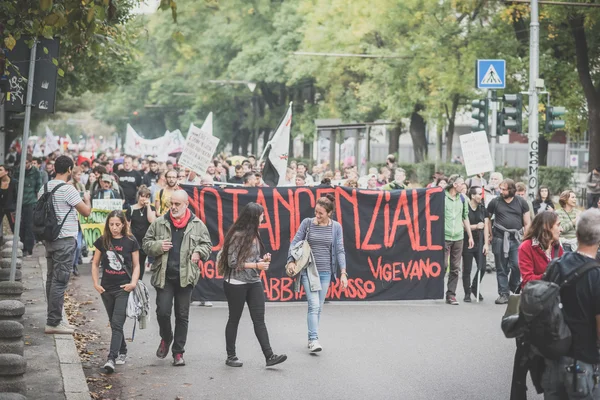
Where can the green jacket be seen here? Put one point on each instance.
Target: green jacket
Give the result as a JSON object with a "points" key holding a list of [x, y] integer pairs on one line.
{"points": [[196, 239], [456, 211], [33, 184]]}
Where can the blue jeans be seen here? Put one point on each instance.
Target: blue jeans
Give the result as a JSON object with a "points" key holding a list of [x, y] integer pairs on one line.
{"points": [[78, 251], [559, 384], [506, 265], [315, 302]]}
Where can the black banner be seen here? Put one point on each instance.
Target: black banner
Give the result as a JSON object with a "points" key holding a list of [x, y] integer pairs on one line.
{"points": [[393, 240]]}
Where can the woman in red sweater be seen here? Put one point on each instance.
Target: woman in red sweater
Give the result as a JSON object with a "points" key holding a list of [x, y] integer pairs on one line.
{"points": [[540, 246]]}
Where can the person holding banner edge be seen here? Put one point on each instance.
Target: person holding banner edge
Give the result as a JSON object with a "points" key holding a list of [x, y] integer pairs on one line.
{"points": [[325, 237], [241, 264]]}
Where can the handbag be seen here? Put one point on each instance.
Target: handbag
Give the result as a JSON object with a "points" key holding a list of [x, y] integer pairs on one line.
{"points": [[302, 262]]}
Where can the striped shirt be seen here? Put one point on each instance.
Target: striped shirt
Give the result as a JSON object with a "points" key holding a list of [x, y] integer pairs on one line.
{"points": [[64, 199], [320, 239]]}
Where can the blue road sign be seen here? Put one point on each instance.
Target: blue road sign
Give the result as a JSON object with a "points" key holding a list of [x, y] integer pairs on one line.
{"points": [[491, 74]]}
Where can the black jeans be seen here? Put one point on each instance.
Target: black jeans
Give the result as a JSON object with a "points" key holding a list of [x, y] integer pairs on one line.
{"points": [[237, 295], [164, 304], [468, 258], [143, 257], [10, 216], [115, 302], [26, 233]]}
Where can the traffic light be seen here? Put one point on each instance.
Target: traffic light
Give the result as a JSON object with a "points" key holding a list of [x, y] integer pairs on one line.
{"points": [[480, 114], [511, 117], [552, 118]]}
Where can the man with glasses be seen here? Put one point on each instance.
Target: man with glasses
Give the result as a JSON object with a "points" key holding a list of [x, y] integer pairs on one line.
{"points": [[175, 269], [511, 220], [162, 203], [456, 224]]}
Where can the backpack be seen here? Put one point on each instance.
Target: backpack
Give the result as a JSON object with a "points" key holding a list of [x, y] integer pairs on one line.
{"points": [[44, 216], [541, 309]]}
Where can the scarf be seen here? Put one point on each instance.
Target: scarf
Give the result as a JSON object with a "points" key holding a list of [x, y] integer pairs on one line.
{"points": [[181, 223]]}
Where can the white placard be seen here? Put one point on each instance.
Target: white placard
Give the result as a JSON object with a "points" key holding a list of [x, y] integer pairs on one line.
{"points": [[107, 204], [200, 146], [476, 153], [574, 160]]}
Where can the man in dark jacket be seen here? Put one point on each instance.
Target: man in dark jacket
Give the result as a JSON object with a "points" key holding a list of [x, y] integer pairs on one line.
{"points": [[33, 183], [576, 375]]}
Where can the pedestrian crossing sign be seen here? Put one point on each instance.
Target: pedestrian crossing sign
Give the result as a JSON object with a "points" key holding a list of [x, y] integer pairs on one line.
{"points": [[491, 74]]}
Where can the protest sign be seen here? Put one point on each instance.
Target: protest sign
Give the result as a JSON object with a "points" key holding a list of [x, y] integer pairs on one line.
{"points": [[200, 146], [476, 153], [107, 204], [92, 226], [393, 240]]}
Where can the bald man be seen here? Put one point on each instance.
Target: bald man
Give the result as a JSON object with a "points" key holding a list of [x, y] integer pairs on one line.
{"points": [[177, 240]]}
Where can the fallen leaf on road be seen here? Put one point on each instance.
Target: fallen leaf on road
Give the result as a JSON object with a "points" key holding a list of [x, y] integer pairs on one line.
{"points": [[108, 387], [187, 384]]}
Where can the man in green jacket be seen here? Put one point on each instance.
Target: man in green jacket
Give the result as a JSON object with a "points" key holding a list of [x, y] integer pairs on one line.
{"points": [[33, 183], [177, 240], [456, 223]]}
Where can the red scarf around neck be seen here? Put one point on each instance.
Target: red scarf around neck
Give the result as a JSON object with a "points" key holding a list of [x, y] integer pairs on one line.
{"points": [[183, 221]]}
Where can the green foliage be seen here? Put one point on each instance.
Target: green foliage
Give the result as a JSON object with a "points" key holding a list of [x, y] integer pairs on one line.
{"points": [[556, 178], [515, 173]]}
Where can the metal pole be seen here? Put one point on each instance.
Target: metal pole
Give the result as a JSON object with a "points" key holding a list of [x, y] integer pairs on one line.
{"points": [[2, 131], [494, 108], [534, 52], [13, 259]]}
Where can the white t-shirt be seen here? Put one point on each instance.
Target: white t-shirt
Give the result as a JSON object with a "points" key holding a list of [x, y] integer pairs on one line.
{"points": [[64, 199]]}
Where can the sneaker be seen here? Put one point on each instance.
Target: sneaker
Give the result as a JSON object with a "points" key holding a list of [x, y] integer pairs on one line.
{"points": [[75, 271], [275, 359], [233, 361], [163, 349], [178, 360], [121, 359], [452, 300], [502, 299], [314, 346], [206, 304], [110, 366], [467, 298], [61, 329]]}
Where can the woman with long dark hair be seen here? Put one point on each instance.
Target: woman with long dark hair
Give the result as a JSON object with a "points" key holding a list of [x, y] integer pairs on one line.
{"points": [[241, 263], [540, 245], [140, 216], [543, 202], [324, 235], [117, 253]]}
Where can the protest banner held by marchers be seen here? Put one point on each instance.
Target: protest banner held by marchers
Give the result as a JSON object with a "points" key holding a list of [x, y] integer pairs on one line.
{"points": [[393, 240], [200, 146]]}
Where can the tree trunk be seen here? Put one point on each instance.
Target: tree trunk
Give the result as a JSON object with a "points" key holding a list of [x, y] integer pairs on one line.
{"points": [[592, 94], [451, 124], [394, 144], [543, 151], [417, 133], [438, 145]]}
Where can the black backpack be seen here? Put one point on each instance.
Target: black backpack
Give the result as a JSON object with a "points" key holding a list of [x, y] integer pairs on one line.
{"points": [[45, 225], [541, 308]]}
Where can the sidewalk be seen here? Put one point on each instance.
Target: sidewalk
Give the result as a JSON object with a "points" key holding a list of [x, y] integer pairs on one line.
{"points": [[54, 370]]}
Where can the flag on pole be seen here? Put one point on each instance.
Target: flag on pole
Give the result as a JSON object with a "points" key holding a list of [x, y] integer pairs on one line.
{"points": [[277, 152], [51, 142]]}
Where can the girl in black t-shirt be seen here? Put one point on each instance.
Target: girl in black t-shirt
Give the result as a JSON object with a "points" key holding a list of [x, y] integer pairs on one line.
{"points": [[118, 256]]}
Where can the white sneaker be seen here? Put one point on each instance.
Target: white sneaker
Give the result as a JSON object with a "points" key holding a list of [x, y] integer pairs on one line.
{"points": [[60, 329], [121, 359], [206, 304], [314, 346]]}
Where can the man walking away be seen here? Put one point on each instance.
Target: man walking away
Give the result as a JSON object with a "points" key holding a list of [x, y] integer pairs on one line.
{"points": [[455, 225], [576, 375], [175, 269], [33, 183], [61, 251], [511, 219], [593, 188]]}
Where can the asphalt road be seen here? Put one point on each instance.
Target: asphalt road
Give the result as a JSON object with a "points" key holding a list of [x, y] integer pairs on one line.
{"points": [[383, 350]]}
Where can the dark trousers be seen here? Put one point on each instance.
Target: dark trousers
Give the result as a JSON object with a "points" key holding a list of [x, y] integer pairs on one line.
{"points": [[26, 233], [237, 295], [10, 216], [592, 200], [164, 304], [59, 259], [468, 258], [115, 302], [143, 257], [453, 254]]}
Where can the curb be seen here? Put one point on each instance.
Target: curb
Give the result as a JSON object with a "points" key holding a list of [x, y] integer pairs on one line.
{"points": [[74, 382]]}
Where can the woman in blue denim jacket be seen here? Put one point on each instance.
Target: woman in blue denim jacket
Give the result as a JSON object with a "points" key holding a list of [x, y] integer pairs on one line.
{"points": [[324, 235]]}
